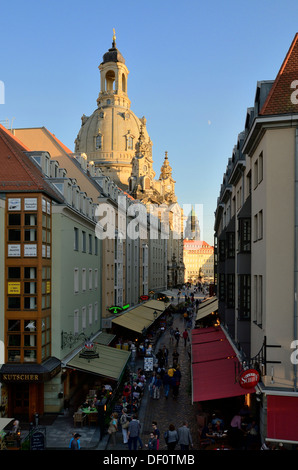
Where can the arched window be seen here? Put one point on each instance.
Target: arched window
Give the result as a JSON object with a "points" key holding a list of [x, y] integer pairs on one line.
{"points": [[98, 142], [129, 142], [123, 83]]}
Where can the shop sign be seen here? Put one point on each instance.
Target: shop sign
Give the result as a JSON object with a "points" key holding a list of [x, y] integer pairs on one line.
{"points": [[144, 297], [249, 378], [14, 288], [37, 441], [117, 309]]}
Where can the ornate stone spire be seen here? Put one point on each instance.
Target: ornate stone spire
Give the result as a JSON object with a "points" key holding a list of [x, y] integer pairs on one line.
{"points": [[166, 170]]}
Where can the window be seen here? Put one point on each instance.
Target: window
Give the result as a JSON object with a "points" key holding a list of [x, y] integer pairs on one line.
{"points": [[83, 318], [76, 239], [231, 290], [84, 279], [129, 142], [90, 244], [84, 242], [98, 142], [244, 236], [260, 225], [90, 279], [221, 287], [76, 280], [230, 245], [76, 322], [96, 312], [90, 310], [258, 300], [95, 278], [95, 246], [244, 296]]}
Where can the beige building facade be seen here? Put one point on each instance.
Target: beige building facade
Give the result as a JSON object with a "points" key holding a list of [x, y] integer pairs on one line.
{"points": [[256, 249]]}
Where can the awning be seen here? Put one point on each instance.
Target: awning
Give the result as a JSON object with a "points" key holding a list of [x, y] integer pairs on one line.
{"points": [[282, 418], [30, 372], [110, 363], [215, 366], [4, 422], [156, 304], [141, 316], [206, 308]]}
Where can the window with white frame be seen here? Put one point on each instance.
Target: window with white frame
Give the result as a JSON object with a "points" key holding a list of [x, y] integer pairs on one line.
{"points": [[76, 280], [76, 322], [95, 278], [84, 279], [90, 279], [96, 311], [83, 318], [90, 313]]}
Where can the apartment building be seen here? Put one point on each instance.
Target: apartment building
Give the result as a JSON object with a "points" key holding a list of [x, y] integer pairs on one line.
{"points": [[256, 249]]}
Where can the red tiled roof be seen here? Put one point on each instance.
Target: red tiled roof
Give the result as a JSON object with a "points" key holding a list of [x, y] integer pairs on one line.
{"points": [[17, 172], [282, 98]]}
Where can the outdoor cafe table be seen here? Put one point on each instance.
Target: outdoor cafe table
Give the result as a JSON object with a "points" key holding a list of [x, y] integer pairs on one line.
{"points": [[89, 410]]}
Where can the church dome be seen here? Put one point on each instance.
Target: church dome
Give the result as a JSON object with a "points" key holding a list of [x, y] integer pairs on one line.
{"points": [[109, 136], [113, 55]]}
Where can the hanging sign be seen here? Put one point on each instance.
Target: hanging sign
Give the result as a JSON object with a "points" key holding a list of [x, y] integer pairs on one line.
{"points": [[116, 309], [144, 297], [249, 378]]}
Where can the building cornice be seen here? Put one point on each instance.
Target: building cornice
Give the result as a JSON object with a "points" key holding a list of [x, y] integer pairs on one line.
{"points": [[263, 123]]}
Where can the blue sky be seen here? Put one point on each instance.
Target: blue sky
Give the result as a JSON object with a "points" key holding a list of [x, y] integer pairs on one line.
{"points": [[193, 72]]}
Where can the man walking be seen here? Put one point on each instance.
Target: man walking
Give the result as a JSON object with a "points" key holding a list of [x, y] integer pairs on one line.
{"points": [[184, 435], [185, 337], [133, 433]]}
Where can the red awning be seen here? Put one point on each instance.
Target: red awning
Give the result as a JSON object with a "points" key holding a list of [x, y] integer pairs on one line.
{"points": [[282, 418], [214, 366]]}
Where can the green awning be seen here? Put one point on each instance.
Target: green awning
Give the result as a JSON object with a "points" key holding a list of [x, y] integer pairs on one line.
{"points": [[110, 363]]}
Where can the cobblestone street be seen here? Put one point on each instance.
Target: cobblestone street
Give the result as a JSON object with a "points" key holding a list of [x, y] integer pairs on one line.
{"points": [[172, 410]]}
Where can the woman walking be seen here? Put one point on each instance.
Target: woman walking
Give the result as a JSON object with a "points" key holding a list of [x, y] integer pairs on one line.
{"points": [[171, 437]]}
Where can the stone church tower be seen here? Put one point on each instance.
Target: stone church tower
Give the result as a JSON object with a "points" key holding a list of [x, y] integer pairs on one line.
{"points": [[117, 141]]}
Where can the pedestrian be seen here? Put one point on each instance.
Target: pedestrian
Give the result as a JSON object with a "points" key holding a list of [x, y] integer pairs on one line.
{"points": [[165, 352], [175, 357], [152, 443], [124, 421], [166, 384], [171, 437], [75, 442], [185, 337], [177, 336], [113, 427], [152, 382], [172, 334], [133, 433], [176, 379], [184, 437], [157, 385], [156, 431]]}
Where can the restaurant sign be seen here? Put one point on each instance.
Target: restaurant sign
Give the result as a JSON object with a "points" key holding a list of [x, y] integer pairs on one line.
{"points": [[249, 378]]}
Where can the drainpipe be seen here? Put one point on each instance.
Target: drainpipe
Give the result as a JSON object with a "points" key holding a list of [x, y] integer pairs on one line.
{"points": [[295, 250]]}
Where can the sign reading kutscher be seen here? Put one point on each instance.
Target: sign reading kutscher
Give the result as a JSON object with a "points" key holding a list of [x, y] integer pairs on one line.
{"points": [[249, 378]]}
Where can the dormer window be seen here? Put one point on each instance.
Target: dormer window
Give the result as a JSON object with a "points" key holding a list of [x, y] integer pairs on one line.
{"points": [[98, 142], [129, 142]]}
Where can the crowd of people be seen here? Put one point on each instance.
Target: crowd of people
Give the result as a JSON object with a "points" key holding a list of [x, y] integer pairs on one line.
{"points": [[162, 383]]}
